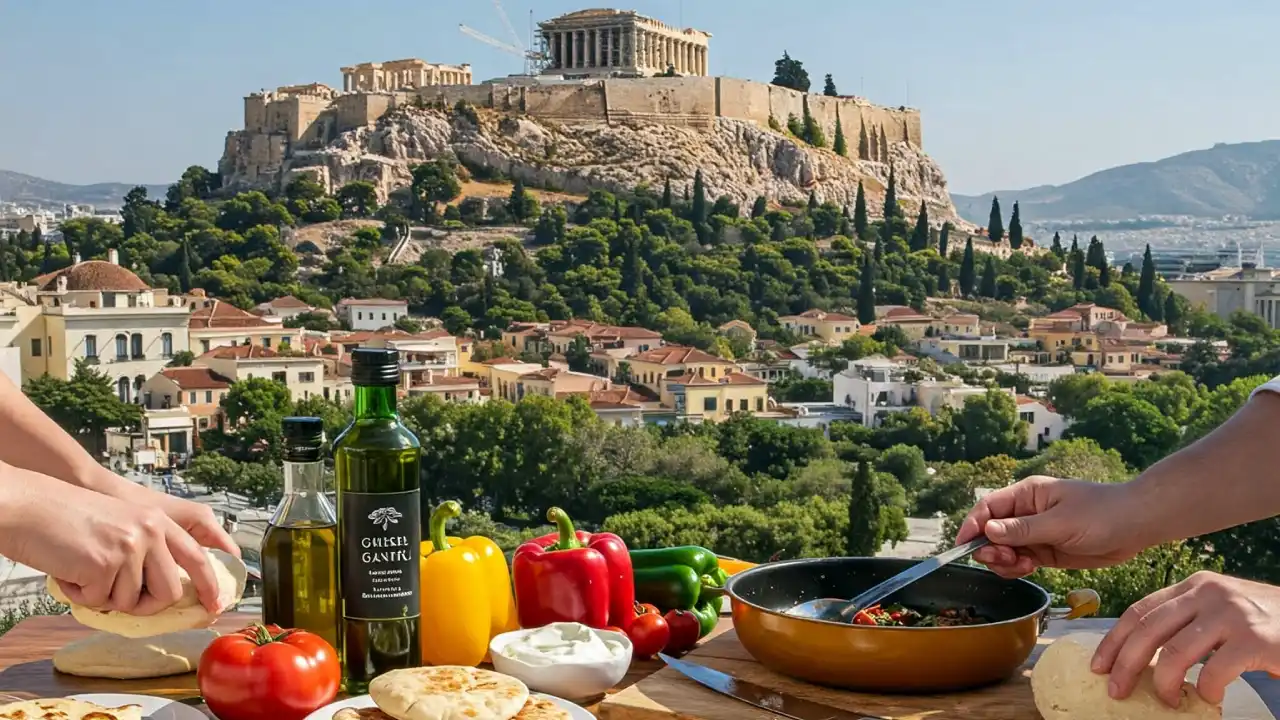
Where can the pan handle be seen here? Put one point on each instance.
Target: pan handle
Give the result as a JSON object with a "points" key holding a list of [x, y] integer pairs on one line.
{"points": [[1080, 603]]}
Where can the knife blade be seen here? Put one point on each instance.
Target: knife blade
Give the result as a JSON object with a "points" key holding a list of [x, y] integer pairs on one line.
{"points": [[771, 701]]}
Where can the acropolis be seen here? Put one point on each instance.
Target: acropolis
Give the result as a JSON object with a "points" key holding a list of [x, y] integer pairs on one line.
{"points": [[619, 43]]}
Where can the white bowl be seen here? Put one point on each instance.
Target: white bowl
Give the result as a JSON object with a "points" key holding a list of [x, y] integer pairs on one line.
{"points": [[570, 680]]}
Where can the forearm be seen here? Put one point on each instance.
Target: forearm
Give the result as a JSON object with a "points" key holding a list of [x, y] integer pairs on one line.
{"points": [[1224, 479], [34, 442]]}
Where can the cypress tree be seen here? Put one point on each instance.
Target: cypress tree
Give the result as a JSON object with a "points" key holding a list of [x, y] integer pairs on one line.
{"points": [[867, 292], [1015, 228], [920, 235], [1075, 244], [22, 240], [1128, 270], [1147, 283], [944, 279], [37, 239], [698, 211], [4, 260], [863, 539], [968, 274], [829, 87], [617, 209], [811, 130], [838, 144], [864, 143], [779, 232], [185, 278], [879, 251], [1096, 255], [995, 225], [759, 207], [1056, 248], [46, 260], [988, 288], [944, 238], [1158, 305], [1077, 270], [860, 222], [516, 203], [813, 201], [1104, 274], [891, 209], [666, 193], [884, 145], [1172, 313]]}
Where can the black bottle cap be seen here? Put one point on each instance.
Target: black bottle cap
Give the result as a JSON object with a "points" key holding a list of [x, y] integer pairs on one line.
{"points": [[375, 366], [303, 438]]}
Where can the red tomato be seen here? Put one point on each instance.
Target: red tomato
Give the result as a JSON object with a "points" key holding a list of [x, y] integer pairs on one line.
{"points": [[266, 673], [642, 608], [612, 628], [685, 629], [649, 635], [864, 618]]}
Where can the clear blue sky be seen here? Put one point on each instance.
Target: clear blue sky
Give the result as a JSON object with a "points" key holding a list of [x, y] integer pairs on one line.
{"points": [[1014, 93]]}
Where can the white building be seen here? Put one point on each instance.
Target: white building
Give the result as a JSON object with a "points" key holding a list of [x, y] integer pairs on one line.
{"points": [[104, 314], [284, 308], [1037, 374], [873, 387], [1045, 425], [217, 323], [302, 374], [371, 313]]}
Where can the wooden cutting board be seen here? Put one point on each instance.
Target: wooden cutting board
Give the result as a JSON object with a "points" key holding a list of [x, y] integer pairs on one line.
{"points": [[668, 695], [27, 672]]}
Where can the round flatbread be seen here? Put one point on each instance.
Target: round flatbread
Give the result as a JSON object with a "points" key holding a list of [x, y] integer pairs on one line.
{"points": [[536, 708], [372, 713], [186, 614], [448, 692], [104, 655], [65, 709], [1065, 688]]}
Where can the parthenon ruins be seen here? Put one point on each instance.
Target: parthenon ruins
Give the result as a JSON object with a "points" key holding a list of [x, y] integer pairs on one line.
{"points": [[620, 43], [402, 74]]}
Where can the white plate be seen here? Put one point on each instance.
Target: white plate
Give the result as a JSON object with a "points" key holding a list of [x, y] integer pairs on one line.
{"points": [[153, 708], [576, 712]]}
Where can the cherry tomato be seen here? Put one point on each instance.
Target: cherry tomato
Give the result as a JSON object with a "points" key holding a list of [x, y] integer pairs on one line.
{"points": [[685, 630], [612, 628], [266, 673], [649, 635], [642, 608], [863, 618]]}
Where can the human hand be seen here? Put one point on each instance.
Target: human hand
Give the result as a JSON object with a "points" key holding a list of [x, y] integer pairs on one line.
{"points": [[104, 552], [197, 519], [1045, 521], [1232, 618]]}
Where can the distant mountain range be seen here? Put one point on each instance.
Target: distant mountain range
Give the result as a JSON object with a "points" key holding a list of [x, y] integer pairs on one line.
{"points": [[1227, 179], [20, 188]]}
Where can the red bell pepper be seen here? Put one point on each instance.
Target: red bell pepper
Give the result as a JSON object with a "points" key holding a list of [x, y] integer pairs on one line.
{"points": [[573, 576]]}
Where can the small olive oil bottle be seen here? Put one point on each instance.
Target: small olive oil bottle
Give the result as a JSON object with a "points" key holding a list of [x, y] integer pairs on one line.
{"points": [[299, 549], [379, 527]]}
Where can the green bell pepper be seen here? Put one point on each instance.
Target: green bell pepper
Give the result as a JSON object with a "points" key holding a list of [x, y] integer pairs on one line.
{"points": [[684, 578]]}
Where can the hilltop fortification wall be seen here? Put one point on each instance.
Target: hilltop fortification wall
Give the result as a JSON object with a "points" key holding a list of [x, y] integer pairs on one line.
{"points": [[300, 118]]}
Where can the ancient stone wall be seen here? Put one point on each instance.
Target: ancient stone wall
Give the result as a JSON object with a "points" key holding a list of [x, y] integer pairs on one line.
{"points": [[566, 103], [674, 101], [356, 110], [743, 99]]}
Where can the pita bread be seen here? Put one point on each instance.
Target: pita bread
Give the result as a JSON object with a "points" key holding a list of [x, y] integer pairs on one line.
{"points": [[448, 692], [372, 713], [536, 708], [186, 614], [1065, 688], [103, 655], [64, 709]]}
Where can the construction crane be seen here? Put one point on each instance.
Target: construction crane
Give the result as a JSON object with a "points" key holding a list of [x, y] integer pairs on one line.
{"points": [[534, 60]]}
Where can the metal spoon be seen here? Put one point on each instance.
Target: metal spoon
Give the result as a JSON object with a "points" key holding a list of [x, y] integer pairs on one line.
{"points": [[836, 610]]}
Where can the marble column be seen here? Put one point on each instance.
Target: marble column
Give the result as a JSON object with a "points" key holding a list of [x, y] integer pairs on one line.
{"points": [[599, 38], [608, 48], [688, 59], [642, 43], [346, 82], [570, 56], [706, 61]]}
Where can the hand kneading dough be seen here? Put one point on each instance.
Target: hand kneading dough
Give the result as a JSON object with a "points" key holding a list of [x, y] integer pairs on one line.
{"points": [[64, 709], [186, 614], [1065, 688], [103, 655], [448, 692]]}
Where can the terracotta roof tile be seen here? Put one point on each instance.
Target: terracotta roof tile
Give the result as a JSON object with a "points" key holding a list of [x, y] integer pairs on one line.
{"points": [[676, 355], [219, 315], [93, 275], [241, 352], [288, 301], [196, 378]]}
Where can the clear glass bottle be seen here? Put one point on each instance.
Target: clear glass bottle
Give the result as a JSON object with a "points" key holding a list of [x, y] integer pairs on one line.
{"points": [[299, 549], [379, 527]]}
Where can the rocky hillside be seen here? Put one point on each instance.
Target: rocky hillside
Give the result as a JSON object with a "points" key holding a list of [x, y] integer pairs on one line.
{"points": [[737, 158], [1226, 179]]}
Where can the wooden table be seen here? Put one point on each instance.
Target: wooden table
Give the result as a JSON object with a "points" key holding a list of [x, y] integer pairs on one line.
{"points": [[27, 672]]}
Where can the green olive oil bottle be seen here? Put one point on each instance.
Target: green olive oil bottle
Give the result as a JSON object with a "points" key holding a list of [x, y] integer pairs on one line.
{"points": [[376, 460]]}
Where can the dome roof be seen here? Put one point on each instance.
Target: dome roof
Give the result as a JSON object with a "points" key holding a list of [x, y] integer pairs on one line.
{"points": [[94, 275]]}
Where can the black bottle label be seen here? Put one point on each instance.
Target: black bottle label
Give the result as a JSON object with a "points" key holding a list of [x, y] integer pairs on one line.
{"points": [[380, 545]]}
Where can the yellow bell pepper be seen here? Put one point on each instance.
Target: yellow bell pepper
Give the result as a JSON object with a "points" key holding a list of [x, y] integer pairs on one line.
{"points": [[466, 594]]}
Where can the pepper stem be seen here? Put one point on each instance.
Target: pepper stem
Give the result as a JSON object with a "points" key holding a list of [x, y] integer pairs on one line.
{"points": [[440, 517], [568, 536]]}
